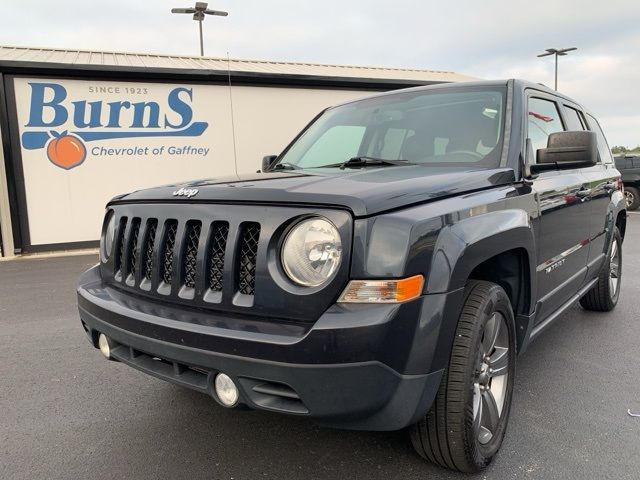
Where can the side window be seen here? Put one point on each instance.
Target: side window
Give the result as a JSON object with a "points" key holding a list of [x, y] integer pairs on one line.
{"points": [[603, 146], [333, 144], [544, 119], [574, 120]]}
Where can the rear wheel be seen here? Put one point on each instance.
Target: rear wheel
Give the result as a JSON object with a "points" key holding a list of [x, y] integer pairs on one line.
{"points": [[467, 422], [632, 196], [604, 295]]}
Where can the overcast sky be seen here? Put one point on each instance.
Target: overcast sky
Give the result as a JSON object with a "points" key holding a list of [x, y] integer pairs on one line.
{"points": [[487, 39]]}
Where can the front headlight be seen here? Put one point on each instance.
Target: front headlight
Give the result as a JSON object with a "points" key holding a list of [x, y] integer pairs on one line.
{"points": [[107, 238], [312, 252]]}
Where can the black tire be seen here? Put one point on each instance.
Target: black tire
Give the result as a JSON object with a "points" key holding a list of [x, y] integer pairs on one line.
{"points": [[632, 196], [604, 295], [449, 435]]}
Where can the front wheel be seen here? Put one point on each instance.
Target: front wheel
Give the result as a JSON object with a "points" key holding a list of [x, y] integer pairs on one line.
{"points": [[466, 424]]}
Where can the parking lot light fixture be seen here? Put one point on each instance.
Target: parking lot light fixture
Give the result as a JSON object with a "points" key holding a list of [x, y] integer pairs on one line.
{"points": [[558, 52], [199, 11]]}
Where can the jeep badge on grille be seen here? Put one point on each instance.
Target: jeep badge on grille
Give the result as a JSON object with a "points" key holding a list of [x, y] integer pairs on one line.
{"points": [[186, 192]]}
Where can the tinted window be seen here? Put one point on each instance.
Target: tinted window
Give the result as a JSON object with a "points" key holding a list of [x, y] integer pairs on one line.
{"points": [[446, 127], [574, 120], [603, 146], [337, 144], [392, 142], [544, 119]]}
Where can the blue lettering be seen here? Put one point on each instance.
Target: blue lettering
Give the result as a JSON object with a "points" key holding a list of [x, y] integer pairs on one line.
{"points": [[139, 110], [114, 113], [38, 104], [47, 110], [180, 107], [80, 114]]}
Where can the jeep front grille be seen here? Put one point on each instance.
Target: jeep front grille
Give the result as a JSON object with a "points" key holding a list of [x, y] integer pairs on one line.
{"points": [[214, 257], [149, 251]]}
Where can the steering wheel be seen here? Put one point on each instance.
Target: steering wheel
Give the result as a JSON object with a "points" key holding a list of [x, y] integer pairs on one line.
{"points": [[469, 153]]}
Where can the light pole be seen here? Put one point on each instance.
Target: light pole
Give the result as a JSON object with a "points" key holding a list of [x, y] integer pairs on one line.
{"points": [[199, 11], [558, 52]]}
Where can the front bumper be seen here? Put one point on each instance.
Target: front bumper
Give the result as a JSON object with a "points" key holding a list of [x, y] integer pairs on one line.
{"points": [[360, 367]]}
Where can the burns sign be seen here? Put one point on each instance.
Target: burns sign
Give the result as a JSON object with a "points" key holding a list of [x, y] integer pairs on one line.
{"points": [[82, 142], [63, 127]]}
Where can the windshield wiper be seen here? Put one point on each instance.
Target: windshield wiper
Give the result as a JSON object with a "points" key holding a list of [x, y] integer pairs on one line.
{"points": [[364, 162]]}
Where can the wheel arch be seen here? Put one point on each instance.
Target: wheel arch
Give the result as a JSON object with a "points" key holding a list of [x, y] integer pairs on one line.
{"points": [[498, 247], [467, 244], [510, 270], [621, 223]]}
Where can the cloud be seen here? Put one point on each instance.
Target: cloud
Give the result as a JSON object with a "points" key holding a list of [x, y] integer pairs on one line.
{"points": [[489, 39]]}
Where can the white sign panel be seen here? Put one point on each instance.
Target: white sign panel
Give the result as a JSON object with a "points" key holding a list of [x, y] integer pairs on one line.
{"points": [[85, 141]]}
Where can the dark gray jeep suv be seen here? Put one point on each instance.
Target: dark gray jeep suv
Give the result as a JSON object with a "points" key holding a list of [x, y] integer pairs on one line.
{"points": [[382, 272]]}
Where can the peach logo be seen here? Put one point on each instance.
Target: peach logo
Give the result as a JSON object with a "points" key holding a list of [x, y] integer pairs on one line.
{"points": [[66, 151]]}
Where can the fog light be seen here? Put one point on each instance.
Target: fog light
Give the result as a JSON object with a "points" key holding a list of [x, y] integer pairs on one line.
{"points": [[226, 390], [103, 344]]}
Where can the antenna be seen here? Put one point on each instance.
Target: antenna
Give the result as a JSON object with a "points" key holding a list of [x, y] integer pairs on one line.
{"points": [[233, 124]]}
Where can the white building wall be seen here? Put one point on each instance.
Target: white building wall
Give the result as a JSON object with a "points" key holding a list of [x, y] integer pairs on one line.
{"points": [[60, 120]]}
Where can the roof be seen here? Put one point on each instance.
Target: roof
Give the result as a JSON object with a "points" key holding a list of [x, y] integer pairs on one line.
{"points": [[133, 61]]}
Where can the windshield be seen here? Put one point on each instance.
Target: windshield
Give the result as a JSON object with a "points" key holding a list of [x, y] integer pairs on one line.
{"points": [[450, 128]]}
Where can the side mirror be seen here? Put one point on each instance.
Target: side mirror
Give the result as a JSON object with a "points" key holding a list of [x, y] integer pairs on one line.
{"points": [[566, 150], [267, 162]]}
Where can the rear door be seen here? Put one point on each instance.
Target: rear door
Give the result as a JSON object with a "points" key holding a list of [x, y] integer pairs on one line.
{"points": [[602, 180], [565, 215]]}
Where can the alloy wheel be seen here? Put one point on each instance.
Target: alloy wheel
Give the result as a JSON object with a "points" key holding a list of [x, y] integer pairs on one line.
{"points": [[490, 383], [629, 198], [614, 268]]}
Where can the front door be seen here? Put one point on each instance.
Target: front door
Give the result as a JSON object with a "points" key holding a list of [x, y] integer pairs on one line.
{"points": [[565, 216]]}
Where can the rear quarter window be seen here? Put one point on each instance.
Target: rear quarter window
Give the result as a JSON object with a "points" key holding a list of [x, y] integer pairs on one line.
{"points": [[574, 119], [603, 146]]}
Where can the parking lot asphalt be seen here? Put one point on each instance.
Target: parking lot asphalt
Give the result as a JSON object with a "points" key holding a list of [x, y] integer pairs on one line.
{"points": [[66, 413]]}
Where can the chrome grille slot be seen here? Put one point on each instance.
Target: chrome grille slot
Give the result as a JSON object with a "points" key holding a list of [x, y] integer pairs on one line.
{"points": [[249, 237], [119, 258], [149, 243], [166, 256], [218, 246], [190, 254], [132, 251]]}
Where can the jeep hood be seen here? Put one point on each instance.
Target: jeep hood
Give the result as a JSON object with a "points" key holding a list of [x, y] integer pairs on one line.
{"points": [[367, 191]]}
